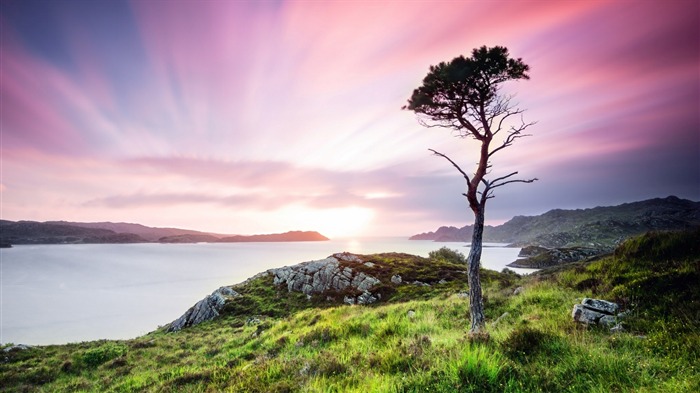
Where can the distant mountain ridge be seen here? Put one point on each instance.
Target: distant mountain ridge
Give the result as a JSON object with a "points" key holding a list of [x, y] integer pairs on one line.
{"points": [[600, 227], [64, 232], [148, 233]]}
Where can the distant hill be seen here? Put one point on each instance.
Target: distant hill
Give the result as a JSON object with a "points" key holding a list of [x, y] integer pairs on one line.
{"points": [[32, 232], [149, 233], [65, 232], [600, 227]]}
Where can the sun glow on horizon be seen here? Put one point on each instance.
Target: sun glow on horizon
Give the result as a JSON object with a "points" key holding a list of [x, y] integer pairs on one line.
{"points": [[341, 222]]}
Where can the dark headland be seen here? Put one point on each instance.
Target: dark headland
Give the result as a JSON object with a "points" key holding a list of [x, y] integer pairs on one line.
{"points": [[64, 232]]}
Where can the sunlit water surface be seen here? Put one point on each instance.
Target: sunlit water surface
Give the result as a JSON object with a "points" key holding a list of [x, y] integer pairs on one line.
{"points": [[53, 294]]}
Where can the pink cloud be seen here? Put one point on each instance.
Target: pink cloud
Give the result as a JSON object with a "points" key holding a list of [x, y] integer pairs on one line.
{"points": [[265, 106]]}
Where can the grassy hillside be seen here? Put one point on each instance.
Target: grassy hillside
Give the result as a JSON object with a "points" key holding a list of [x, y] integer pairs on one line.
{"points": [[415, 340]]}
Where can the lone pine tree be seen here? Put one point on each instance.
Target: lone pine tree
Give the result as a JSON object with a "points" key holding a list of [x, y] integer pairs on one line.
{"points": [[464, 95]]}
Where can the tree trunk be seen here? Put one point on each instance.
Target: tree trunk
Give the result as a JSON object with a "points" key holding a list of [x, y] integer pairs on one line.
{"points": [[476, 304]]}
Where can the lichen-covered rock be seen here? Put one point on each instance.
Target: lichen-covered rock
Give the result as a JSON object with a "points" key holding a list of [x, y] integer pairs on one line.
{"points": [[396, 279], [326, 275], [347, 257], [204, 310], [607, 320], [584, 315], [603, 306], [595, 312]]}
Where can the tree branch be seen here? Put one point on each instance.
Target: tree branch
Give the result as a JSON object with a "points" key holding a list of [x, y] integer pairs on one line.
{"points": [[514, 134], [466, 177], [502, 177], [513, 181]]}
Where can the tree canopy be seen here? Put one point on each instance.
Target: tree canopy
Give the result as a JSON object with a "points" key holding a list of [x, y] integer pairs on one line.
{"points": [[463, 94]]}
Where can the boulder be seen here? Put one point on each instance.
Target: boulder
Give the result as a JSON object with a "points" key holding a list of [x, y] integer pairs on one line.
{"points": [[597, 312], [396, 279], [204, 310], [607, 320], [603, 306], [584, 315]]}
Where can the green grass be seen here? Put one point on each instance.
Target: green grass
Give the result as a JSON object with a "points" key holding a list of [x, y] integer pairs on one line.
{"points": [[312, 345]]}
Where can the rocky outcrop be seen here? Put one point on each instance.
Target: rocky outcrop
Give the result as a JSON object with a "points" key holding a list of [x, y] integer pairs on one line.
{"points": [[204, 310], [329, 276], [552, 257], [337, 277], [598, 312], [531, 251]]}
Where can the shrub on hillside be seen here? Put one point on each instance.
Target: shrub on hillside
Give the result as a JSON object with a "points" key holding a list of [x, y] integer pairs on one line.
{"points": [[445, 254]]}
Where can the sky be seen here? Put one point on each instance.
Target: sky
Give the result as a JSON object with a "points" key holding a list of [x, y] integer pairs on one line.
{"points": [[245, 117]]}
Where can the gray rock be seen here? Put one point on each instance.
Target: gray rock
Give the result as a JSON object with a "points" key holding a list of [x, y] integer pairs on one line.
{"points": [[518, 290], [499, 319], [347, 257], [411, 314], [603, 306], [597, 311], [585, 315], [369, 264], [364, 282], [366, 298], [617, 328], [463, 295], [396, 279], [317, 277], [204, 310], [420, 284], [443, 281], [607, 320]]}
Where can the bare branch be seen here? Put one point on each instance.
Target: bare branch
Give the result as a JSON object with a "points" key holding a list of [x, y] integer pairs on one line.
{"points": [[507, 112], [513, 181], [466, 177], [513, 134], [496, 180]]}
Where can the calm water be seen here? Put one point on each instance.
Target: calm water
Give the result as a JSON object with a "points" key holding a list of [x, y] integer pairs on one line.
{"points": [[53, 294]]}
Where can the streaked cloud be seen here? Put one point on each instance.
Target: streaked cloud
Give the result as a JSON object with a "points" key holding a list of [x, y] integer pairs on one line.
{"points": [[229, 116]]}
